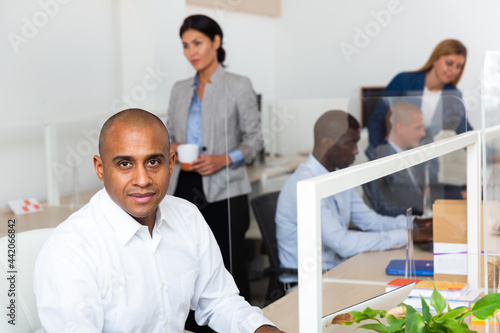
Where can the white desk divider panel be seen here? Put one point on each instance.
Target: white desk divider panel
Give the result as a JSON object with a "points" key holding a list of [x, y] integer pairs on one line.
{"points": [[311, 191]]}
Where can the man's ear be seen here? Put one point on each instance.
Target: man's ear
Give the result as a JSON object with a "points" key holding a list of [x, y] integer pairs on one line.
{"points": [[98, 168], [398, 127], [326, 143], [171, 163]]}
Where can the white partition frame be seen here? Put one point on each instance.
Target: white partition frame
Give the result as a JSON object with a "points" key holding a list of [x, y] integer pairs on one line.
{"points": [[311, 191]]}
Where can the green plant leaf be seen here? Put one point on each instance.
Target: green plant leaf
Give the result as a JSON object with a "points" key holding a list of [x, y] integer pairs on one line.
{"points": [[453, 314], [374, 313], [486, 306], [434, 329], [438, 302], [391, 319], [375, 327], [395, 325], [455, 326], [425, 310], [414, 321], [367, 314]]}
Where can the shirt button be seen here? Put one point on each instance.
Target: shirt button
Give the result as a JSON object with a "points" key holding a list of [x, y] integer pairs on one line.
{"points": [[166, 321]]}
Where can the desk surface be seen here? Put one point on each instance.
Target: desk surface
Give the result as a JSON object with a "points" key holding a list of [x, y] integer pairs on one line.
{"points": [[274, 166], [344, 285]]}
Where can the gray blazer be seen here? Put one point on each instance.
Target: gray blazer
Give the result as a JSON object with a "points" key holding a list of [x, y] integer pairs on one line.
{"points": [[229, 120], [398, 188]]}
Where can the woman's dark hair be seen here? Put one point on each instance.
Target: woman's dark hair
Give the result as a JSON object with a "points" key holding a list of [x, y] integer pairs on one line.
{"points": [[206, 26]]}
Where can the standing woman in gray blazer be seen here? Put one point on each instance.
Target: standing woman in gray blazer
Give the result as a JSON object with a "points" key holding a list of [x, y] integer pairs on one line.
{"points": [[216, 110]]}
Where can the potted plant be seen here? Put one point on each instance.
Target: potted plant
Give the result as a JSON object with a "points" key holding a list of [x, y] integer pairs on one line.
{"points": [[406, 319]]}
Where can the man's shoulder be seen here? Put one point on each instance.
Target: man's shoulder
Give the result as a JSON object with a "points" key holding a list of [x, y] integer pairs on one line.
{"points": [[179, 210], [177, 204], [84, 222], [76, 232], [289, 188], [384, 150], [303, 171]]}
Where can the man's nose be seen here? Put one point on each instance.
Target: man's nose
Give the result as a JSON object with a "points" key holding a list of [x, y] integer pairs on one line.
{"points": [[141, 176]]}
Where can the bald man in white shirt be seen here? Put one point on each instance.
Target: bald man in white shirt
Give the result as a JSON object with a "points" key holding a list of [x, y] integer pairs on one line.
{"points": [[134, 259]]}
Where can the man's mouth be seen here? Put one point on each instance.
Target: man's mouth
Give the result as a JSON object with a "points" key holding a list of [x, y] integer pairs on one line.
{"points": [[142, 197]]}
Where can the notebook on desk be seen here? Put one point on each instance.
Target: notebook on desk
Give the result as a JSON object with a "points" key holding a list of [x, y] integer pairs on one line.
{"points": [[420, 268], [386, 301]]}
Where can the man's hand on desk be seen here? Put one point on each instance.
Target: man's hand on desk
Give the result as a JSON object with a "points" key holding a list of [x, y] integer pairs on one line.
{"points": [[267, 328], [422, 230]]}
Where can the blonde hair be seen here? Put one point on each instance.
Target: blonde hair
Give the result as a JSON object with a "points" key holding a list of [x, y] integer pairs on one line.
{"points": [[446, 47]]}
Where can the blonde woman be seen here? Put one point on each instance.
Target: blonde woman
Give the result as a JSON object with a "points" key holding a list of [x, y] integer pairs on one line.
{"points": [[433, 88]]}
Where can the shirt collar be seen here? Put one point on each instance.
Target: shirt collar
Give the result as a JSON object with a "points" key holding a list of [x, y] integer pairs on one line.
{"points": [[124, 225], [316, 166], [394, 146], [196, 83]]}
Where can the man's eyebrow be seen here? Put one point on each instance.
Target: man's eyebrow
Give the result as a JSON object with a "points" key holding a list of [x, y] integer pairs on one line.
{"points": [[122, 157], [130, 158], [149, 157]]}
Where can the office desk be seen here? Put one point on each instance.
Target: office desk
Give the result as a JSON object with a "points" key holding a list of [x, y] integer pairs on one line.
{"points": [[275, 166], [284, 312], [354, 280], [369, 267], [344, 285]]}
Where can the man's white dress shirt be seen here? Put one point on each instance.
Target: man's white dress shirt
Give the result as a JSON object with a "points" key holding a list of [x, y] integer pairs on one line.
{"points": [[101, 271]]}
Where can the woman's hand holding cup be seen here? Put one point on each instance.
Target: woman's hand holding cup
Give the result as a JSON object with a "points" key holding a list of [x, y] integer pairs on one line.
{"points": [[186, 154]]}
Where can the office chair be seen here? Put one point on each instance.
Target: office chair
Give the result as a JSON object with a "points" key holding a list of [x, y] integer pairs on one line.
{"points": [[27, 246], [264, 208]]}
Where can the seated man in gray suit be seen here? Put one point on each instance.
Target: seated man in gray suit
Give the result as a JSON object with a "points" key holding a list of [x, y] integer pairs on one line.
{"points": [[406, 187]]}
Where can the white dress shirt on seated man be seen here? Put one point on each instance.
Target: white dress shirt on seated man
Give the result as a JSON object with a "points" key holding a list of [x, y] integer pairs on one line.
{"points": [[379, 232], [113, 276]]}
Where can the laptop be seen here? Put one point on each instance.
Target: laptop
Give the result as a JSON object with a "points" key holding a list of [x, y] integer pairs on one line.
{"points": [[386, 301]]}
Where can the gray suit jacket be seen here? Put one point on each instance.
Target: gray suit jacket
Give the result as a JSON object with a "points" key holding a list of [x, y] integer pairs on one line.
{"points": [[230, 120], [398, 188]]}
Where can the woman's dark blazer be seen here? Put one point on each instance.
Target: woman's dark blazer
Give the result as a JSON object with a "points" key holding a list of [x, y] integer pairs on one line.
{"points": [[409, 87]]}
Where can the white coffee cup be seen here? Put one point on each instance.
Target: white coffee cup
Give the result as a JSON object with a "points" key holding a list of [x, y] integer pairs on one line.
{"points": [[187, 153]]}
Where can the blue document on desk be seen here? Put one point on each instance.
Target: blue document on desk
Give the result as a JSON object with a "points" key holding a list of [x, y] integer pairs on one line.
{"points": [[422, 267]]}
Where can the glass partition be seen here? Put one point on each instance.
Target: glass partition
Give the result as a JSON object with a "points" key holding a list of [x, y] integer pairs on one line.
{"points": [[490, 122], [439, 180], [416, 187]]}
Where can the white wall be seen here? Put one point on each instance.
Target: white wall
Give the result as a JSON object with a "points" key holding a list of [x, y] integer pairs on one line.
{"points": [[74, 63], [57, 61]]}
